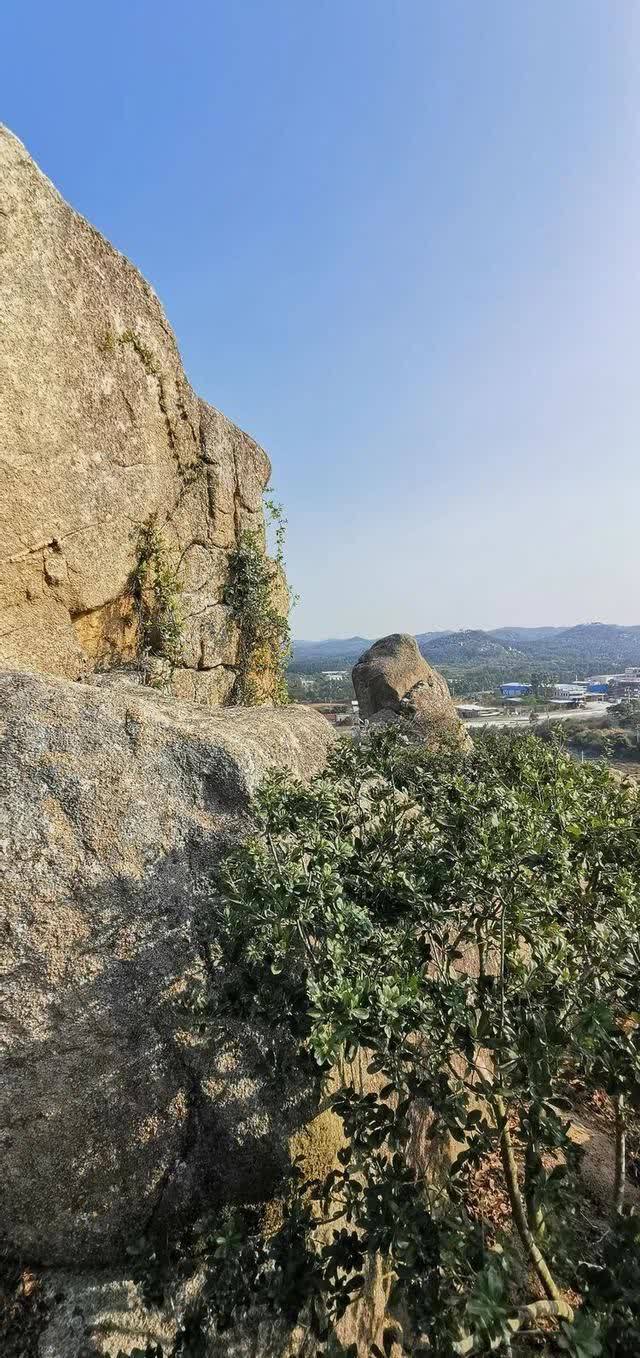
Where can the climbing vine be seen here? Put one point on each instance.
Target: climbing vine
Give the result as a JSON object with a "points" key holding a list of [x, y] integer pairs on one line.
{"points": [[156, 592], [265, 638], [275, 517]]}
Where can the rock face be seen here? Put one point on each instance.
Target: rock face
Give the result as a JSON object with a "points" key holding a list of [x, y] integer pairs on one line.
{"points": [[101, 435], [115, 803], [392, 681]]}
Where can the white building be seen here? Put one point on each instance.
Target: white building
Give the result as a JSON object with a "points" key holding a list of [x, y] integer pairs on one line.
{"points": [[567, 692]]}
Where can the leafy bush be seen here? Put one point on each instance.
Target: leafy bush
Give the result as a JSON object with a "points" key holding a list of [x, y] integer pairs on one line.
{"points": [[473, 926], [613, 735]]}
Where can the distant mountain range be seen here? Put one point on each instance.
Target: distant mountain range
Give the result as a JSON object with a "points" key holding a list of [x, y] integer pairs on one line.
{"points": [[347, 648], [596, 646]]}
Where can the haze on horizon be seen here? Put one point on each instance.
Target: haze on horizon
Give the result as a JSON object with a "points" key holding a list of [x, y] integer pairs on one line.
{"points": [[398, 242]]}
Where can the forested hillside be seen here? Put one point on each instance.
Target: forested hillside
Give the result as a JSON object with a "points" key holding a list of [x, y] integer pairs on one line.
{"points": [[475, 659], [470, 647]]}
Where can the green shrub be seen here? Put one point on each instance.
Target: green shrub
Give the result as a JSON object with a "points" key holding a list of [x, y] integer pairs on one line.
{"points": [[604, 736], [352, 913]]}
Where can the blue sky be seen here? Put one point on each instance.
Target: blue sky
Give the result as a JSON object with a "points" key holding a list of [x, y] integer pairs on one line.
{"points": [[399, 242]]}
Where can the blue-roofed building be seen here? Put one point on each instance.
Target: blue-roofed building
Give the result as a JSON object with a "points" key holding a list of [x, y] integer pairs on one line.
{"points": [[515, 690]]}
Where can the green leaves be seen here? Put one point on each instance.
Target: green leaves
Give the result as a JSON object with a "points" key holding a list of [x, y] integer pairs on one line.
{"points": [[157, 594], [473, 924], [582, 1338], [265, 638], [455, 940]]}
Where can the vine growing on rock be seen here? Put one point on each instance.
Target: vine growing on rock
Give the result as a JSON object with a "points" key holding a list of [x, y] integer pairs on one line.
{"points": [[156, 592], [251, 596], [472, 925]]}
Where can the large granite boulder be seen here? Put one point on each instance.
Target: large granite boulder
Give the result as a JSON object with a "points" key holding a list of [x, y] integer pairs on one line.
{"points": [[393, 683], [115, 1114], [101, 436]]}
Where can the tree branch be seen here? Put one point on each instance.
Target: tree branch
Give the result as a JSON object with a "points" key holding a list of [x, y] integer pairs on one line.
{"points": [[517, 1205], [621, 1155]]}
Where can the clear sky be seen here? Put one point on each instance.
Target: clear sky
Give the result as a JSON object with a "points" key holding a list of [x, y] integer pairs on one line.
{"points": [[399, 242]]}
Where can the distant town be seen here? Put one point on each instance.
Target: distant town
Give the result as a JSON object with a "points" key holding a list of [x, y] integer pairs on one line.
{"points": [[480, 692]]}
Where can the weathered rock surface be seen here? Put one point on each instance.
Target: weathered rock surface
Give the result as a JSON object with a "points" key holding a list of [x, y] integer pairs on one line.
{"points": [[115, 804], [393, 681], [104, 1314], [100, 433]]}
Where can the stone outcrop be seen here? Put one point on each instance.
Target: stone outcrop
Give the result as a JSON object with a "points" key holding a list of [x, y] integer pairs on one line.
{"points": [[100, 436], [115, 1114], [393, 682]]}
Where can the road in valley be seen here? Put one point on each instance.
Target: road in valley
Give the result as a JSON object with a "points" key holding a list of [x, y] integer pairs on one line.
{"points": [[518, 720]]}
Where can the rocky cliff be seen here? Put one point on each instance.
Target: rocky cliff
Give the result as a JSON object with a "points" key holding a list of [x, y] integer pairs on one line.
{"points": [[125, 505], [103, 443]]}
